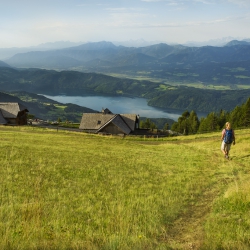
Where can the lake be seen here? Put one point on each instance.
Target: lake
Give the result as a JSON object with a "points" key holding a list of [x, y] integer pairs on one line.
{"points": [[119, 105]]}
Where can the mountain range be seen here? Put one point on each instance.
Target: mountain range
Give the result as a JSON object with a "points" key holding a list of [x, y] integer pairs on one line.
{"points": [[227, 65], [165, 68], [120, 56], [6, 53]]}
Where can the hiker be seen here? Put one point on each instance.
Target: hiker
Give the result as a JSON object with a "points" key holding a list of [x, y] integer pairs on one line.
{"points": [[227, 138]]}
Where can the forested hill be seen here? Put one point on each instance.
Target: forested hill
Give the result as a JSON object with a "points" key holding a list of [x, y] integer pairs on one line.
{"points": [[158, 94], [46, 109]]}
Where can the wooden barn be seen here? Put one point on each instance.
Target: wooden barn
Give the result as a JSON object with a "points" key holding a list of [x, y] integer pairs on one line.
{"points": [[13, 113], [108, 123]]}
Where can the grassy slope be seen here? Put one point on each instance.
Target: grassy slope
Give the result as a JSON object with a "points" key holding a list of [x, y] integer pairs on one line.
{"points": [[62, 190]]}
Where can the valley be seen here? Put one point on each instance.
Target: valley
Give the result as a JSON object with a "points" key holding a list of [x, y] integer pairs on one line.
{"points": [[115, 124], [227, 66], [159, 95], [204, 79]]}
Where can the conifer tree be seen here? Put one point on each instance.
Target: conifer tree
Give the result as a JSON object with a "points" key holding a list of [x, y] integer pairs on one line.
{"points": [[210, 123], [147, 124], [193, 122], [203, 126], [182, 125], [236, 117], [166, 127], [222, 118], [185, 123], [246, 118]]}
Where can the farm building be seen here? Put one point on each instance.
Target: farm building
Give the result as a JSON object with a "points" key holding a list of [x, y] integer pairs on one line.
{"points": [[109, 123], [13, 113]]}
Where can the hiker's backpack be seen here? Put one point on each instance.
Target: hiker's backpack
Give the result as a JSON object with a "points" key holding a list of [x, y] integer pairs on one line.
{"points": [[228, 138]]}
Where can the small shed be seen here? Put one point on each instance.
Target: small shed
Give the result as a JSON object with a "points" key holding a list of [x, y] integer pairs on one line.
{"points": [[107, 122], [13, 113]]}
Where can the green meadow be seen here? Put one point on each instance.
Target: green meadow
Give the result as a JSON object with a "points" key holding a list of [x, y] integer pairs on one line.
{"points": [[69, 190]]}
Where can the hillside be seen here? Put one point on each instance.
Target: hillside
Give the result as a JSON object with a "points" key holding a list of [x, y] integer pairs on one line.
{"points": [[45, 108], [65, 190], [158, 94], [6, 53], [3, 64]]}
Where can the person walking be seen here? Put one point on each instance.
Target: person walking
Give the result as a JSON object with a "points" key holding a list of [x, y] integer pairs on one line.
{"points": [[228, 138]]}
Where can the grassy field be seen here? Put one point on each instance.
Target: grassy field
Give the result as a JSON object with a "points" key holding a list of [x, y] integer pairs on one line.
{"points": [[69, 190]]}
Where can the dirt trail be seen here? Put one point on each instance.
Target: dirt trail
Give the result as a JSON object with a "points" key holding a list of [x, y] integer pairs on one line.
{"points": [[187, 232]]}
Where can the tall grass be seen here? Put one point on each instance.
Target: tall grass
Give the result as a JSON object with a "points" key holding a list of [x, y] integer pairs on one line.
{"points": [[65, 190]]}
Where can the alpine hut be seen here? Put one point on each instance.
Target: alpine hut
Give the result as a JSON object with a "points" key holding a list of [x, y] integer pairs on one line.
{"points": [[108, 123], [13, 113]]}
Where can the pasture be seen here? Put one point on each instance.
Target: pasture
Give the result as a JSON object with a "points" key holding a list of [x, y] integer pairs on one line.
{"points": [[69, 190]]}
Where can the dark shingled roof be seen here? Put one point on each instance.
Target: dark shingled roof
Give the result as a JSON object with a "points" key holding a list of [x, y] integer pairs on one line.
{"points": [[119, 122], [106, 111], [11, 109], [95, 122], [2, 120], [130, 119]]}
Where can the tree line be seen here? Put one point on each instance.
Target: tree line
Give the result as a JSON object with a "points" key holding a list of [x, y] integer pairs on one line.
{"points": [[189, 123]]}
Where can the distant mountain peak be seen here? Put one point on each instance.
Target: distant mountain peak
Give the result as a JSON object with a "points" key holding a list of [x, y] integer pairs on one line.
{"points": [[213, 42], [3, 64], [57, 45], [95, 46], [236, 42]]}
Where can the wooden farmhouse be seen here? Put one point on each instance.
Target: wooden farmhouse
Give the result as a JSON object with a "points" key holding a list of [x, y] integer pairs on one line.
{"points": [[13, 113], [108, 123]]}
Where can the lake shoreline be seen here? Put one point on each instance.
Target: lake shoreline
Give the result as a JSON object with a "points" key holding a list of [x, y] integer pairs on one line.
{"points": [[119, 105]]}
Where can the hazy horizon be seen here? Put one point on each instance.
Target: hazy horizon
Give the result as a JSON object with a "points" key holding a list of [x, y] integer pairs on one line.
{"points": [[26, 23], [135, 43]]}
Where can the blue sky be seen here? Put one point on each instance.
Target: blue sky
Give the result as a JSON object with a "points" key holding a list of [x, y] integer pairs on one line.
{"points": [[32, 22]]}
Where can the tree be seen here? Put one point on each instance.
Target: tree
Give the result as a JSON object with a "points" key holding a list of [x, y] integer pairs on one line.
{"points": [[153, 126], [236, 117], [166, 127], [210, 123], [182, 125], [30, 116], [147, 124], [194, 122], [175, 127], [203, 125], [222, 118], [246, 116]]}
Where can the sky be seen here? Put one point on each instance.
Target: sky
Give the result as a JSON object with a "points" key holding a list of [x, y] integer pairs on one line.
{"points": [[26, 23]]}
